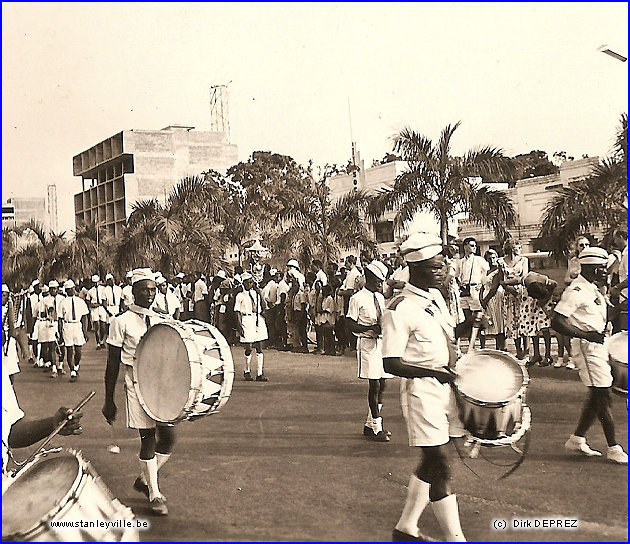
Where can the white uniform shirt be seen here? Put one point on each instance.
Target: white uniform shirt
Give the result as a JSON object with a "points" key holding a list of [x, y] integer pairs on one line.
{"points": [[126, 330], [270, 293], [321, 276], [583, 306], [362, 309], [201, 290], [283, 287], [65, 309], [10, 414], [127, 295], [249, 303], [351, 279], [96, 295], [418, 328], [113, 294], [166, 302]]}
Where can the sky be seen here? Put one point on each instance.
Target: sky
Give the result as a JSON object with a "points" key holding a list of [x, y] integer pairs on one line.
{"points": [[305, 79]]}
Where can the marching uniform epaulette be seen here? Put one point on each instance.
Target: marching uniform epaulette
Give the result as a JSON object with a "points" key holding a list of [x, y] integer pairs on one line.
{"points": [[393, 303]]}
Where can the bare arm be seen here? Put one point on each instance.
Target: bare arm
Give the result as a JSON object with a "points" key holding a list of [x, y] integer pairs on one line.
{"points": [[561, 324], [394, 365]]}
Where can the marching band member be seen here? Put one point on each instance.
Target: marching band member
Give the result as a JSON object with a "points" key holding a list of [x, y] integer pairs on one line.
{"points": [[124, 335], [165, 302], [96, 299], [418, 345], [365, 311], [249, 308], [9, 340], [73, 313], [582, 315]]}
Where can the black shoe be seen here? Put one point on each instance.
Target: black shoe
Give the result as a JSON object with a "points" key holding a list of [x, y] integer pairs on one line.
{"points": [[158, 507], [141, 487], [380, 436], [367, 431], [399, 536], [248, 376], [262, 378]]}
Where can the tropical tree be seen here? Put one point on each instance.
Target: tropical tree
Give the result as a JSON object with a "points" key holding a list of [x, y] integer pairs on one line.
{"points": [[600, 200], [445, 185], [316, 227], [32, 253]]}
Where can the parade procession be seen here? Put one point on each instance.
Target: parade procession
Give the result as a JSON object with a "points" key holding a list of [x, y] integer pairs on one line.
{"points": [[197, 348]]}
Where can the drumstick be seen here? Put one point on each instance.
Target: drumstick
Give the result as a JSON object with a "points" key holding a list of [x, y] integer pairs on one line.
{"points": [[60, 426]]}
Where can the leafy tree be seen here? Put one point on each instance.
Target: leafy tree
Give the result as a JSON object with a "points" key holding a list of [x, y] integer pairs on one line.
{"points": [[533, 164], [600, 200], [444, 185]]}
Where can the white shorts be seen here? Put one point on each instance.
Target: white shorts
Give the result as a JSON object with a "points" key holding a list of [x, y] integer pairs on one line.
{"points": [[46, 330], [430, 411], [137, 418], [472, 302], [251, 331], [98, 314], [370, 359], [591, 359], [73, 334]]}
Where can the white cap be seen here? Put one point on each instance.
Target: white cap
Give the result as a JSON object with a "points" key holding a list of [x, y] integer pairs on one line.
{"points": [[421, 246], [53, 283], [109, 277], [378, 269], [246, 276], [95, 277], [593, 255], [68, 285], [5, 288], [129, 274], [35, 282], [139, 274], [221, 274], [45, 289], [294, 263], [180, 275], [273, 272], [159, 279]]}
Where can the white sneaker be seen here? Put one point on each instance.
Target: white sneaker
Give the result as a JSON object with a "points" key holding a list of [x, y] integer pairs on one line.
{"points": [[558, 364], [571, 366], [577, 444], [615, 454]]}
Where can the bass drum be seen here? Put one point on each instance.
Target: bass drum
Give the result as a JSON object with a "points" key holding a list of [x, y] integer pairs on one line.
{"points": [[183, 370], [617, 346]]}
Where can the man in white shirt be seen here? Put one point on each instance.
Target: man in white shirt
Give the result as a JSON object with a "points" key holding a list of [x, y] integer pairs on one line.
{"points": [[582, 315], [113, 295], [200, 298], [471, 269], [156, 438], [127, 295], [73, 316], [96, 302], [270, 296], [165, 302], [365, 311]]}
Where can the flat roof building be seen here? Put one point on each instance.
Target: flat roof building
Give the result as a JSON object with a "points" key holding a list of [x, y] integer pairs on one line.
{"points": [[136, 165]]}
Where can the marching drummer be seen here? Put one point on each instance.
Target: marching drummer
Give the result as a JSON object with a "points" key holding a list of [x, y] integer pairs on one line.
{"points": [[582, 315], [124, 334], [418, 344]]}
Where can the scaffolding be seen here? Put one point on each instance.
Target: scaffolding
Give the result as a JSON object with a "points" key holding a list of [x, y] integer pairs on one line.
{"points": [[219, 109]]}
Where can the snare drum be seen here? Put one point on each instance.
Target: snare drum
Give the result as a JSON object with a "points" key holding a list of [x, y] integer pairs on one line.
{"points": [[63, 488], [617, 346], [183, 370], [490, 392]]}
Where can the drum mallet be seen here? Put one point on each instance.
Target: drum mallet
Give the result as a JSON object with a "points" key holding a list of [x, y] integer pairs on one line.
{"points": [[58, 428]]}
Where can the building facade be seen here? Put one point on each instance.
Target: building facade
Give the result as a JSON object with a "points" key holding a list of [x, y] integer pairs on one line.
{"points": [[143, 164], [17, 211], [531, 197]]}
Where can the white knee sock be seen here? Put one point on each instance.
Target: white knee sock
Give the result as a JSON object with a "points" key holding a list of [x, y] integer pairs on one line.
{"points": [[417, 500], [259, 361], [248, 362], [369, 422], [377, 424], [150, 471], [447, 514]]}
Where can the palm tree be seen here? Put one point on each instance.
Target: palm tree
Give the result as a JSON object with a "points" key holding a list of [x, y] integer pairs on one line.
{"points": [[443, 185], [601, 200], [43, 255], [314, 226]]}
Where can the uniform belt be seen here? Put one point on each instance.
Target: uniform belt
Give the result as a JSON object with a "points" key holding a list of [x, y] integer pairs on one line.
{"points": [[65, 321]]}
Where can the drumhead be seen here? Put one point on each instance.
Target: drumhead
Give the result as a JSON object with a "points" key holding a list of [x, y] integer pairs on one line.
{"points": [[162, 372], [37, 491], [489, 375], [618, 347]]}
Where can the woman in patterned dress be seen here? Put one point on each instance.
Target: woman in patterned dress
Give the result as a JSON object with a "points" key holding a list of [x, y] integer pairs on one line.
{"points": [[514, 268], [491, 298]]}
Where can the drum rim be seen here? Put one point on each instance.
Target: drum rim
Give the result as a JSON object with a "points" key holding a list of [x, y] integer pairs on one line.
{"points": [[495, 404], [69, 498]]}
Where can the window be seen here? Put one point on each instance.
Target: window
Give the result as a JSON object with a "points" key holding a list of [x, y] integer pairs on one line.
{"points": [[384, 231]]}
